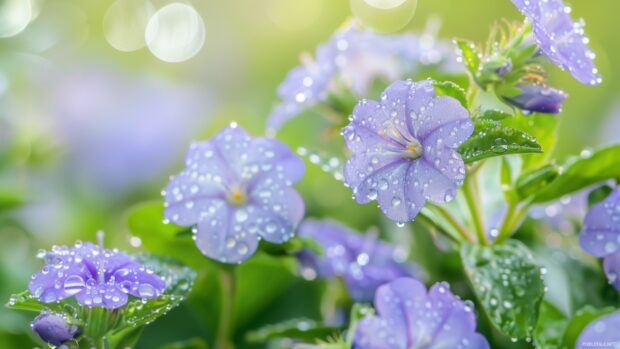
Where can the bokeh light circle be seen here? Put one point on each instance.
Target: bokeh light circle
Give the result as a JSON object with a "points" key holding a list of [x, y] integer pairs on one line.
{"points": [[14, 16], [175, 33], [384, 15], [125, 22]]}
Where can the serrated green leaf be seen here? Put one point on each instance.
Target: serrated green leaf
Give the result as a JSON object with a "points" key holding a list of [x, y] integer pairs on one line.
{"points": [[302, 329], [582, 172], [450, 89], [508, 283], [532, 182], [469, 55], [491, 139]]}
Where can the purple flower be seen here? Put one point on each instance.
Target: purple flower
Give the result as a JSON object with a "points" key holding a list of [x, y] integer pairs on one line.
{"points": [[537, 98], [600, 234], [560, 38], [94, 275], [602, 332], [53, 328], [353, 58], [236, 190], [364, 261], [410, 317], [404, 149]]}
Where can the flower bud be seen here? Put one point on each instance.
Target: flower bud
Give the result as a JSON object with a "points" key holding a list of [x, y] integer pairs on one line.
{"points": [[53, 328], [537, 98]]}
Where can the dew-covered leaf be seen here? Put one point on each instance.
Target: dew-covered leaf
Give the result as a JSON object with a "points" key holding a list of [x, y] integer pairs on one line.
{"points": [[491, 139], [542, 127], [583, 171], [493, 114], [469, 54], [27, 301], [302, 329], [451, 89], [508, 283]]}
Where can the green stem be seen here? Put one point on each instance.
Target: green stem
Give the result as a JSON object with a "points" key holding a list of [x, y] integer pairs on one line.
{"points": [[470, 189], [454, 223], [102, 343], [227, 297], [514, 214], [457, 238]]}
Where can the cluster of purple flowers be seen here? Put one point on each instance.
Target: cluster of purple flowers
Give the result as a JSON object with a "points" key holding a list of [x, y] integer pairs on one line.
{"points": [[354, 57], [235, 191], [363, 261], [404, 148], [95, 276]]}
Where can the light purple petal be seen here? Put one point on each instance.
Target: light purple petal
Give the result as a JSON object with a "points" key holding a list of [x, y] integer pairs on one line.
{"points": [[218, 238], [102, 295], [434, 184], [611, 265], [602, 332], [600, 234], [560, 38], [374, 332], [445, 121]]}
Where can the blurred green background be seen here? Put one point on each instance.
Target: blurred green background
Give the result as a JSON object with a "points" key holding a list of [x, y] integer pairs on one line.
{"points": [[87, 131]]}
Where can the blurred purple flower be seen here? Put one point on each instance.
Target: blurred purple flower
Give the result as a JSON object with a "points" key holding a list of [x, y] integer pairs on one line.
{"points": [[537, 98], [355, 57], [94, 275], [121, 131], [560, 38], [364, 261], [404, 149], [410, 317], [600, 234], [236, 190], [53, 329], [602, 332]]}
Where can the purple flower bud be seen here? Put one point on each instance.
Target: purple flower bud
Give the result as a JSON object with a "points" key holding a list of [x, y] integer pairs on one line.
{"points": [[409, 316], [53, 328], [537, 98], [236, 190], [97, 277], [404, 149], [560, 38]]}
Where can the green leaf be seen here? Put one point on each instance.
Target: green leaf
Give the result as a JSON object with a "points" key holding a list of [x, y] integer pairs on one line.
{"points": [[532, 182], [469, 55], [302, 329], [27, 301], [291, 247], [508, 283], [581, 172], [493, 114], [582, 318], [542, 127], [450, 89], [491, 139], [599, 194], [145, 220], [552, 323]]}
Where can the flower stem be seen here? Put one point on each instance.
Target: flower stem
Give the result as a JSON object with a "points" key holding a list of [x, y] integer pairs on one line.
{"points": [[470, 189], [227, 297], [514, 214], [454, 223]]}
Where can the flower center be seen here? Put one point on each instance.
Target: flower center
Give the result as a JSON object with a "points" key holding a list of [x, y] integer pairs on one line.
{"points": [[236, 195], [413, 149]]}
